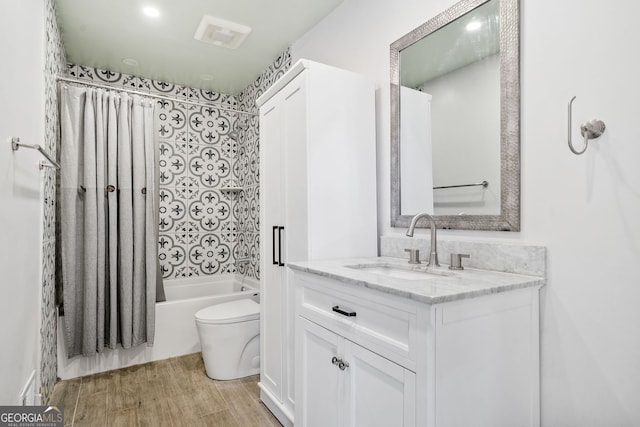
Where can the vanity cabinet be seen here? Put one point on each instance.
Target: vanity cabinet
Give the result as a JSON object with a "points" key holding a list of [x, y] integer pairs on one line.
{"points": [[344, 384], [317, 198], [473, 361]]}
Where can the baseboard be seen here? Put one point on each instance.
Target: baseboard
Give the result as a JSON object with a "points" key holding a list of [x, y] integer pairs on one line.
{"points": [[283, 414]]}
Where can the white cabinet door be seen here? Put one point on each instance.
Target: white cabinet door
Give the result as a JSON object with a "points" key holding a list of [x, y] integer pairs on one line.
{"points": [[273, 282], [294, 164], [294, 245], [320, 380], [381, 393], [366, 390]]}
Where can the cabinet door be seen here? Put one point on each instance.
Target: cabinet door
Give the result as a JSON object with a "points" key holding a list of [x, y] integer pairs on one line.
{"points": [[294, 206], [381, 393], [294, 157], [272, 273], [368, 391], [319, 384]]}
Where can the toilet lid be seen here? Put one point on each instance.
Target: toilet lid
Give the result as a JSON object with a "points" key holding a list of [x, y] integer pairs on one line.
{"points": [[230, 312]]}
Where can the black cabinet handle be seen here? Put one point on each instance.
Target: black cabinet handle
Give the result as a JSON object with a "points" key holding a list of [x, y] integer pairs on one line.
{"points": [[273, 235], [337, 309], [280, 263]]}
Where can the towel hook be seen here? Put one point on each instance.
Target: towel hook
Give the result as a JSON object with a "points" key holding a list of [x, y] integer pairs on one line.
{"points": [[589, 130]]}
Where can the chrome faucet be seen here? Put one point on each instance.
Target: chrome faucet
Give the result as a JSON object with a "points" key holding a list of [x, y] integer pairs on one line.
{"points": [[433, 256]]}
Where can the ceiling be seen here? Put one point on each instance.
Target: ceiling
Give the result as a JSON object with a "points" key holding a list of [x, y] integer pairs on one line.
{"points": [[102, 33]]}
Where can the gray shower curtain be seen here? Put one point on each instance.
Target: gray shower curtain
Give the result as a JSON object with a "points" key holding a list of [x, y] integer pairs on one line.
{"points": [[108, 219]]}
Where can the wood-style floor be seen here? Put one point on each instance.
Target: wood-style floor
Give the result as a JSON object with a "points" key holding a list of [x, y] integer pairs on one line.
{"points": [[171, 392]]}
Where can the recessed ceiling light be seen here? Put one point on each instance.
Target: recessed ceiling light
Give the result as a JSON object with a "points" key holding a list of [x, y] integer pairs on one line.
{"points": [[151, 11], [473, 25], [130, 61], [206, 77]]}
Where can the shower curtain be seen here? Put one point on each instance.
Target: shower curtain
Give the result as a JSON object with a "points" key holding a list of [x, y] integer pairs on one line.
{"points": [[108, 219]]}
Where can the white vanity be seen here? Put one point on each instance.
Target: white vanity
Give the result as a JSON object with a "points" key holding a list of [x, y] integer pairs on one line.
{"points": [[381, 344]]}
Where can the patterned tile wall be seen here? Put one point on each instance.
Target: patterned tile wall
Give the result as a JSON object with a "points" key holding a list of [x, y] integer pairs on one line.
{"points": [[54, 65], [248, 165], [203, 228], [197, 228], [197, 159]]}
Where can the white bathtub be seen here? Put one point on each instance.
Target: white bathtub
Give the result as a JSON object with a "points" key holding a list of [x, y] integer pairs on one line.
{"points": [[176, 332]]}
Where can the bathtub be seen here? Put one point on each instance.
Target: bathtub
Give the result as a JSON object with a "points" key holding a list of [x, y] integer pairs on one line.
{"points": [[176, 332]]}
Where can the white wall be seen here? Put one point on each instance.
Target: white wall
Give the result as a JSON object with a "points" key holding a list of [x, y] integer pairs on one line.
{"points": [[21, 115], [585, 209]]}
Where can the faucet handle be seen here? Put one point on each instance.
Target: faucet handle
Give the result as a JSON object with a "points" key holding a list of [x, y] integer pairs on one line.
{"points": [[414, 256], [456, 261]]}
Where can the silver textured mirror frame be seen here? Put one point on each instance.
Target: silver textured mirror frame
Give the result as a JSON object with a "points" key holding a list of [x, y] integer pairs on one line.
{"points": [[509, 218]]}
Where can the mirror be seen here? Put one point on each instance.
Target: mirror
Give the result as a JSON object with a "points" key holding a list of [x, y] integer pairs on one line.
{"points": [[455, 119]]}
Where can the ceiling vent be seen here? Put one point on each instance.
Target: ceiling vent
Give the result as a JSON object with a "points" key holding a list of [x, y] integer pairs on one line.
{"points": [[220, 32]]}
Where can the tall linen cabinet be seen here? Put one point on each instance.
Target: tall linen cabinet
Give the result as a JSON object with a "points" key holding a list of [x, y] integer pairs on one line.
{"points": [[317, 199]]}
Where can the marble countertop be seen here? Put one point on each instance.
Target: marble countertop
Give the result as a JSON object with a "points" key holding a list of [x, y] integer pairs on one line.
{"points": [[442, 285]]}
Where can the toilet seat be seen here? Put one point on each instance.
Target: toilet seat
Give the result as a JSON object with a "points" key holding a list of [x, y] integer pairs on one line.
{"points": [[229, 312]]}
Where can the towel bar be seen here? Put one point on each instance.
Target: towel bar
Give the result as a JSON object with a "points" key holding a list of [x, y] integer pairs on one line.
{"points": [[16, 144], [484, 184]]}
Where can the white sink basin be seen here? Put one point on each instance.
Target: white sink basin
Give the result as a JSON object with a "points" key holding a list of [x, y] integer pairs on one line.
{"points": [[400, 272]]}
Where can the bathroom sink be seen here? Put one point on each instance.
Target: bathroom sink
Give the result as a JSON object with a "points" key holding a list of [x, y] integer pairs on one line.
{"points": [[399, 271]]}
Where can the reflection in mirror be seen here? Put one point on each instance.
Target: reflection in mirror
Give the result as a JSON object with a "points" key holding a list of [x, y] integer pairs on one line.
{"points": [[456, 71], [455, 107], [417, 152]]}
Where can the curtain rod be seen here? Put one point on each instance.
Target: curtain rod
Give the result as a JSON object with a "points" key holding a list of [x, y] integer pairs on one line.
{"points": [[151, 95]]}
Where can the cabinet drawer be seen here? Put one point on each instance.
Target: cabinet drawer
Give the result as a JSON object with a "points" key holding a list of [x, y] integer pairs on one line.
{"points": [[383, 326]]}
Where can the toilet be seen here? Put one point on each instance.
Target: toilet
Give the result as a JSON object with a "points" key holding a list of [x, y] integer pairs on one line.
{"points": [[230, 338]]}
